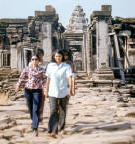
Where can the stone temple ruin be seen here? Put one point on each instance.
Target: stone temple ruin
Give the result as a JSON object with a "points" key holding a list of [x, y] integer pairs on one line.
{"points": [[103, 49]]}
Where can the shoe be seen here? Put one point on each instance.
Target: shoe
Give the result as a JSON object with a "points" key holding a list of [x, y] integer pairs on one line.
{"points": [[35, 132], [54, 135], [62, 132], [49, 134]]}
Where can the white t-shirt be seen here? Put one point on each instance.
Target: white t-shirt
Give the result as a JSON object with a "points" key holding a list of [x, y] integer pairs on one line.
{"points": [[58, 75]]}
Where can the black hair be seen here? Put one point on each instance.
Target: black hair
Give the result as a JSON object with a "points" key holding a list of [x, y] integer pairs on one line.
{"points": [[39, 51], [36, 56], [65, 52], [68, 52], [58, 52]]}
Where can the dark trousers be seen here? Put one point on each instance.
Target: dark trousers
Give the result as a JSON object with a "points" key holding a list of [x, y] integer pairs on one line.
{"points": [[57, 114], [33, 97]]}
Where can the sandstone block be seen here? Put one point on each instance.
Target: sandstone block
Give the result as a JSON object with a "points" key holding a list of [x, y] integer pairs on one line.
{"points": [[4, 141]]}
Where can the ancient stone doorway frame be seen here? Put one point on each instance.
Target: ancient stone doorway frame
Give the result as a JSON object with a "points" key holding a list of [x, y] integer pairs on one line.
{"points": [[26, 58], [5, 58]]}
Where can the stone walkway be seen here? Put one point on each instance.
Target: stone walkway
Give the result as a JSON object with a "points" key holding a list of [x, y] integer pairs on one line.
{"points": [[94, 117]]}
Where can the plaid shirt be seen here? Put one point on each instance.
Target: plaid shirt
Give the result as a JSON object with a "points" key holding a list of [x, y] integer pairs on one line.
{"points": [[32, 78]]}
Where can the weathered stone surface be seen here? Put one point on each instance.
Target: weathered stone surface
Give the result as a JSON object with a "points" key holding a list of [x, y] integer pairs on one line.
{"points": [[4, 141], [116, 126], [7, 125], [5, 119], [11, 134], [78, 22], [108, 139], [92, 116], [126, 113]]}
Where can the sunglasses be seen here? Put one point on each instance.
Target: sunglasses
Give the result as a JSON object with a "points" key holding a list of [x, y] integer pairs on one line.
{"points": [[34, 59]]}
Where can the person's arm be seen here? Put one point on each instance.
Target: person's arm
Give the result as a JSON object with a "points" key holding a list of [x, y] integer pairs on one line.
{"points": [[44, 78], [72, 67], [21, 80], [69, 75], [48, 75], [73, 85], [47, 87], [73, 79], [70, 85]]}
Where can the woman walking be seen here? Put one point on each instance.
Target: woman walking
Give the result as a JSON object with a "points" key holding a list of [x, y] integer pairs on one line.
{"points": [[68, 60], [35, 76], [58, 78], [42, 64]]}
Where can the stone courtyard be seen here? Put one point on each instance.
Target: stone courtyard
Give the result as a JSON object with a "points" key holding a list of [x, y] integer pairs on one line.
{"points": [[96, 115]]}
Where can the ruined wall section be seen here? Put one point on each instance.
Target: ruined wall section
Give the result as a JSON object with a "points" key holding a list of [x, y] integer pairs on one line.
{"points": [[19, 38], [125, 30], [12, 31]]}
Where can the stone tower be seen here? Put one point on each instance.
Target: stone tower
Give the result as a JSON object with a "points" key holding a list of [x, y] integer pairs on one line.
{"points": [[75, 38], [77, 22]]}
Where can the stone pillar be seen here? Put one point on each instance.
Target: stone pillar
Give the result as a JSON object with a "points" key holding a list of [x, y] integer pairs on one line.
{"points": [[20, 57], [25, 57], [47, 40], [102, 43], [131, 51], [0, 58], [13, 56], [88, 53], [103, 71], [84, 64]]}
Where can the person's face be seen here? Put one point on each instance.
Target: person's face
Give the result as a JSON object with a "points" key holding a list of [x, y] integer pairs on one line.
{"points": [[41, 56], [35, 61], [65, 57], [58, 58]]}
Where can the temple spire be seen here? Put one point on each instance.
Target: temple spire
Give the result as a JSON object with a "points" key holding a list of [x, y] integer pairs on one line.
{"points": [[77, 22]]}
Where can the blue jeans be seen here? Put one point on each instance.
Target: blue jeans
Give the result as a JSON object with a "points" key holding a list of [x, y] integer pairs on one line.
{"points": [[33, 97]]}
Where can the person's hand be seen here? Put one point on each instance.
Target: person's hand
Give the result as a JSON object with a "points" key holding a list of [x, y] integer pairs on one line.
{"points": [[73, 92], [46, 93], [16, 89]]}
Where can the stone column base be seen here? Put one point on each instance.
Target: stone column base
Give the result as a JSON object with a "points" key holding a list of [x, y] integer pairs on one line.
{"points": [[103, 73]]}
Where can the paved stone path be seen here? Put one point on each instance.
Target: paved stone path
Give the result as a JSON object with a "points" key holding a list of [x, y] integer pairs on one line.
{"points": [[94, 117]]}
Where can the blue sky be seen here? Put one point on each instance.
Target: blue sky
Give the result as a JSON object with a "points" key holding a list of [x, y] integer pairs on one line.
{"points": [[25, 8]]}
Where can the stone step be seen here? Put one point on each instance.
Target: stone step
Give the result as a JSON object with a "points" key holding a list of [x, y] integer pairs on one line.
{"points": [[103, 76], [4, 73], [5, 70], [4, 76], [96, 83], [104, 72], [79, 85], [81, 74], [83, 81], [11, 83], [13, 80], [82, 90], [14, 76]]}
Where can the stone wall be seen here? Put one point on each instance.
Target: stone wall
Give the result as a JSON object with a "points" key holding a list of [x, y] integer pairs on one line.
{"points": [[17, 35]]}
